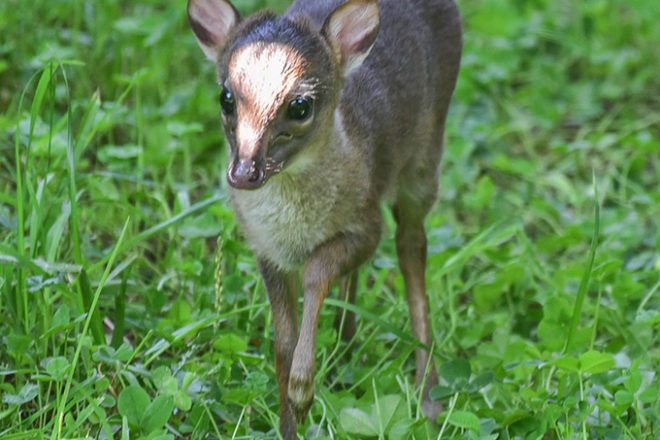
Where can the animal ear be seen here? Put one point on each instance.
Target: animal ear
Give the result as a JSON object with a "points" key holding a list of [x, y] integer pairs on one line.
{"points": [[212, 22], [351, 30]]}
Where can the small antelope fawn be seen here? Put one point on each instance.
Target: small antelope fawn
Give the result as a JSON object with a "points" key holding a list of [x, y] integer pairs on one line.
{"points": [[328, 110]]}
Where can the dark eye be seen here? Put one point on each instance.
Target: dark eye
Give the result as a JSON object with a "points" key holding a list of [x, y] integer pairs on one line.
{"points": [[300, 108], [227, 101]]}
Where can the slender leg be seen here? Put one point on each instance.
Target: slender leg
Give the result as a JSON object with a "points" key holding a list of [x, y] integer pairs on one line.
{"points": [[411, 249], [347, 288], [282, 288], [336, 257]]}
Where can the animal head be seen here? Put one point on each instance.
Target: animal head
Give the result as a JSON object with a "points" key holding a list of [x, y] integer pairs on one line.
{"points": [[280, 79]]}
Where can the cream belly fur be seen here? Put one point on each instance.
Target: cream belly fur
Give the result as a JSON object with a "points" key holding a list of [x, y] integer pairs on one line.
{"points": [[284, 224]]}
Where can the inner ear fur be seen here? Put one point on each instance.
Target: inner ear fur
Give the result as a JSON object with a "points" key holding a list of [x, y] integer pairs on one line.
{"points": [[212, 22], [351, 31]]}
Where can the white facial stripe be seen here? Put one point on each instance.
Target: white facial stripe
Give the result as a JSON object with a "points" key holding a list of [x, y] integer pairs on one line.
{"points": [[263, 75], [247, 139]]}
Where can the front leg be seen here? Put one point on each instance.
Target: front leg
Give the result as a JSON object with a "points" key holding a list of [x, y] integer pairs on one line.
{"points": [[336, 257], [282, 288]]}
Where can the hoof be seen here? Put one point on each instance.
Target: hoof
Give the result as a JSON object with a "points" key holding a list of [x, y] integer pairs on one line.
{"points": [[301, 396]]}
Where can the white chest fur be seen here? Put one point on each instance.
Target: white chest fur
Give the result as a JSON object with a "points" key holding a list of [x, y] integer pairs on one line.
{"points": [[286, 219], [283, 223]]}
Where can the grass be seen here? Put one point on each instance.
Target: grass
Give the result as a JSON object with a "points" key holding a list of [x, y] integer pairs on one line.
{"points": [[132, 308]]}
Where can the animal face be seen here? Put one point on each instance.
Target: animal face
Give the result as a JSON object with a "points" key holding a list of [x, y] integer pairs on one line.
{"points": [[269, 98]]}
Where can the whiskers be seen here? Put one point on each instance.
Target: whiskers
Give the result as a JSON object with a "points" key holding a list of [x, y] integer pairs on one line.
{"points": [[273, 167]]}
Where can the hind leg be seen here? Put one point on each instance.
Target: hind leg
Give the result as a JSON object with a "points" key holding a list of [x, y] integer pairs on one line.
{"points": [[347, 292], [411, 250]]}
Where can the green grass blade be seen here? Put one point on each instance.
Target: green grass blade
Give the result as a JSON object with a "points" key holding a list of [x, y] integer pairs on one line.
{"points": [[161, 345], [96, 323], [57, 433], [21, 299], [42, 87], [56, 232], [9, 255], [91, 123], [71, 168], [402, 335], [494, 235], [161, 227], [586, 276], [120, 311]]}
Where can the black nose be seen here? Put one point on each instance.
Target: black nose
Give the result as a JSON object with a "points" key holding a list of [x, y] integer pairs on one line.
{"points": [[245, 174]]}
